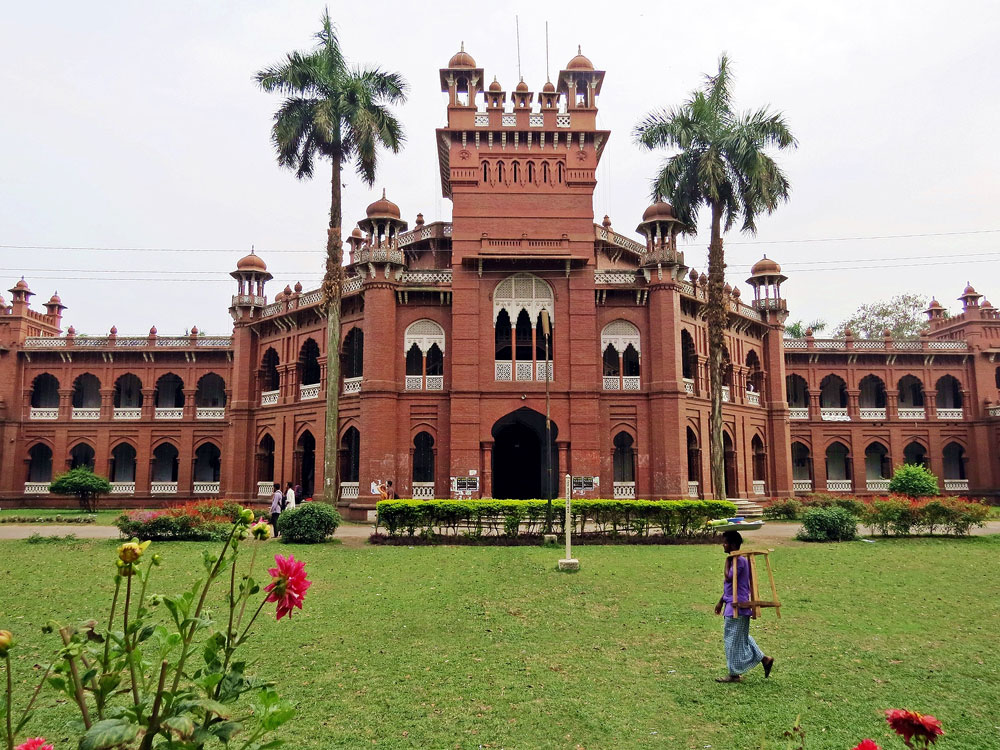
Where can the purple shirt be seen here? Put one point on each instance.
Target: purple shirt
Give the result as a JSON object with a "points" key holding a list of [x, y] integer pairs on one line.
{"points": [[743, 574]]}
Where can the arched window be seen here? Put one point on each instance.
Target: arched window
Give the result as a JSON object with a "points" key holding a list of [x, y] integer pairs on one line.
{"points": [[309, 370], [270, 378], [128, 392], [515, 169], [833, 393], [624, 460], [423, 457], [354, 354], [759, 465], [612, 364], [797, 392], [502, 337], [40, 463], [872, 393], [755, 377], [207, 463], [916, 454], [523, 338], [801, 465], [949, 393], [423, 343], [211, 392], [727, 369], [729, 461], [265, 461], [486, 172], [997, 377], [169, 392], [622, 338], [45, 392], [123, 463], [837, 466], [877, 464], [165, 463], [86, 392], [689, 356], [304, 472], [462, 92], [81, 455], [501, 172], [545, 172], [911, 392], [350, 455], [541, 341], [559, 172], [954, 461], [693, 463], [531, 171], [520, 298], [581, 94]]}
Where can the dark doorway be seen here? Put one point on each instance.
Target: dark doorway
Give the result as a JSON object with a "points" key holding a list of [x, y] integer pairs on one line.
{"points": [[305, 455], [520, 459]]}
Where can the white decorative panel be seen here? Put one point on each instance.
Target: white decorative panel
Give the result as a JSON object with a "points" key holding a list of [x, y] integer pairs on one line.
{"points": [[867, 413], [169, 413], [424, 333], [523, 371], [612, 383], [414, 382], [269, 398], [435, 382], [207, 488], [503, 370], [210, 412], [128, 413], [86, 413], [834, 415]]}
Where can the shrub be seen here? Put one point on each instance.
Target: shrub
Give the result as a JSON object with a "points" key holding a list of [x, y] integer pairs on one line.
{"points": [[83, 483], [828, 525], [964, 515], [198, 520], [309, 523], [783, 510], [913, 481], [891, 515]]}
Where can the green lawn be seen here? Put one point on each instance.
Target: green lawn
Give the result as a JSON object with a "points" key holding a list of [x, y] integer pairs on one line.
{"points": [[489, 647]]}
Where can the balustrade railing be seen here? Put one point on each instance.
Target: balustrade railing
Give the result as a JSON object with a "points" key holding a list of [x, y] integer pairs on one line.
{"points": [[423, 490], [753, 398], [265, 489], [123, 488], [838, 485], [798, 412], [503, 370], [210, 412], [834, 415], [349, 490], [171, 413], [956, 485], [127, 412], [86, 412], [624, 490], [36, 488], [993, 411], [44, 413], [612, 383], [877, 485], [692, 489], [871, 413], [630, 383], [802, 485], [949, 413], [206, 488], [758, 487], [163, 488], [269, 398], [911, 413], [352, 385], [689, 385], [435, 382], [308, 392]]}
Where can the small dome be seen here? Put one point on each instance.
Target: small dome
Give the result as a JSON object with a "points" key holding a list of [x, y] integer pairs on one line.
{"points": [[659, 211], [579, 62], [114, 330], [287, 290], [420, 220], [279, 297], [607, 222], [886, 333], [968, 289], [356, 233], [21, 285], [71, 331], [521, 86], [935, 305], [728, 288], [549, 88], [251, 262], [765, 267], [986, 305], [383, 208], [693, 276], [495, 86], [152, 330], [54, 299], [703, 280], [194, 330], [461, 59], [736, 292], [298, 287]]}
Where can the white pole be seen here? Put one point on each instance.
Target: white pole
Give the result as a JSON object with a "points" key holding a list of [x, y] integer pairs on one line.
{"points": [[569, 563]]}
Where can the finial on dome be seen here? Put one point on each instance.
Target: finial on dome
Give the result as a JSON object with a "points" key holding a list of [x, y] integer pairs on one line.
{"points": [[152, 330], [194, 330], [579, 49], [114, 330], [461, 47]]}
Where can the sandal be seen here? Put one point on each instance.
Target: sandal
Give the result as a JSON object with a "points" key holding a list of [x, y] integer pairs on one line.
{"points": [[730, 678], [768, 663]]}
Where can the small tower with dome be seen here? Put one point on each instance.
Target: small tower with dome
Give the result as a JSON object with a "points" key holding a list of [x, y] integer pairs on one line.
{"points": [[251, 275], [766, 279], [660, 226]]}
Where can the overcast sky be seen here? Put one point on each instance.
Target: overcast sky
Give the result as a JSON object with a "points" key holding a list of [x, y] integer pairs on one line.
{"points": [[138, 125]]}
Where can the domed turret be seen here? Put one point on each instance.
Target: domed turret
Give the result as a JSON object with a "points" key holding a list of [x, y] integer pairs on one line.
{"points": [[383, 208], [382, 224], [580, 62], [251, 274], [970, 297], [549, 88], [495, 85], [521, 87], [660, 210], [54, 306], [766, 279], [298, 287], [462, 59], [251, 262], [765, 267]]}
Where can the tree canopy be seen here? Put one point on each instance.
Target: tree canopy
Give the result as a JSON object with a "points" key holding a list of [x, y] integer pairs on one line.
{"points": [[902, 316], [83, 483]]}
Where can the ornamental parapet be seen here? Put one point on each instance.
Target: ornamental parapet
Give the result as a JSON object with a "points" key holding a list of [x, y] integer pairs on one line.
{"points": [[127, 342], [436, 231], [613, 238], [875, 345]]}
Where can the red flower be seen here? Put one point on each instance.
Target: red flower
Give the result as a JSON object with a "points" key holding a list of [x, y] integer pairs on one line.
{"points": [[289, 585], [909, 724], [35, 743], [866, 745]]}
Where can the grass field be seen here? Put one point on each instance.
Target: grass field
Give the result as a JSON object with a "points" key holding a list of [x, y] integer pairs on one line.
{"points": [[489, 647]]}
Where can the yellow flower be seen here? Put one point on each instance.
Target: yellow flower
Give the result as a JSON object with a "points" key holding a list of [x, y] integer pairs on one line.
{"points": [[6, 642], [261, 530], [129, 552]]}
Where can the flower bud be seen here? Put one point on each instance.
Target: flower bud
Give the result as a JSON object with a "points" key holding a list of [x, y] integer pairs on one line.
{"points": [[246, 515], [6, 642], [130, 552], [157, 560]]}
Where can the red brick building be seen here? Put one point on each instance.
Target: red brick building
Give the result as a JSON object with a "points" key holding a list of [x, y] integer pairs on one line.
{"points": [[447, 368]]}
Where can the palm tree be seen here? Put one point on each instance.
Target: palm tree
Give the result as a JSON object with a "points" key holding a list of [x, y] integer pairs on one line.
{"points": [[797, 330], [341, 113], [721, 163]]}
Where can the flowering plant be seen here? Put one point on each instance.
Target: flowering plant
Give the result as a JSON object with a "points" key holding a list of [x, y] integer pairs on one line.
{"points": [[917, 730], [136, 682], [866, 745]]}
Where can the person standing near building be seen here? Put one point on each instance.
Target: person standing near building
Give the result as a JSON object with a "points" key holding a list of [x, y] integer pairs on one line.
{"points": [[289, 498], [277, 500], [742, 652]]}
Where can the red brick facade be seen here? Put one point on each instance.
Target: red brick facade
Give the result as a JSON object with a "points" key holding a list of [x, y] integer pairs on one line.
{"points": [[444, 354]]}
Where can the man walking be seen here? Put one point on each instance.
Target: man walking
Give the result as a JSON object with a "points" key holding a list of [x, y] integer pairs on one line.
{"points": [[276, 502]]}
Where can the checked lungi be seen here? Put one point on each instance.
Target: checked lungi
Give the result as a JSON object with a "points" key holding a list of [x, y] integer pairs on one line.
{"points": [[742, 652]]}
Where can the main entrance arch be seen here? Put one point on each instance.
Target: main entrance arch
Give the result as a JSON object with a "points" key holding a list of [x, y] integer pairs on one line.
{"points": [[520, 460]]}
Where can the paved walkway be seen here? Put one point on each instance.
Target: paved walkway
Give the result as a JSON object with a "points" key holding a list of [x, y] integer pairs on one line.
{"points": [[354, 535]]}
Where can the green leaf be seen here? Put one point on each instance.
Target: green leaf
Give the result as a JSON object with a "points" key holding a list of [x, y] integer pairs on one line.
{"points": [[59, 683], [212, 707], [182, 725], [146, 632], [225, 730], [108, 733]]}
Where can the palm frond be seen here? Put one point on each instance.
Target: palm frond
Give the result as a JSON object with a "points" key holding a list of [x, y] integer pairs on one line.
{"points": [[329, 44], [299, 74], [386, 87], [718, 86]]}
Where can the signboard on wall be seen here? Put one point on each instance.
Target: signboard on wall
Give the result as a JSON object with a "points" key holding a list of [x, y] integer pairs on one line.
{"points": [[464, 486], [584, 484]]}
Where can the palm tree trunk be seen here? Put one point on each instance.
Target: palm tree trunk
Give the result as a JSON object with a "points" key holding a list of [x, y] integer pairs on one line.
{"points": [[332, 292], [716, 315]]}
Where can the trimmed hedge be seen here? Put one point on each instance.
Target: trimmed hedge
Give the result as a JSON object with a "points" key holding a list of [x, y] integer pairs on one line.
{"points": [[512, 518], [199, 520], [309, 523], [49, 519], [900, 516]]}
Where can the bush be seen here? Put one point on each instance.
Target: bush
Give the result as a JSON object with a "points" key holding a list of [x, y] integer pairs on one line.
{"points": [[828, 525], [513, 518], [309, 523], [783, 510], [913, 481], [83, 483], [891, 515], [199, 520]]}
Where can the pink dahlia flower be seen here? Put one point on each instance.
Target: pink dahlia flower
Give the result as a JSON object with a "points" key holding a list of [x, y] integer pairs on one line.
{"points": [[910, 724], [35, 743], [866, 745], [288, 585]]}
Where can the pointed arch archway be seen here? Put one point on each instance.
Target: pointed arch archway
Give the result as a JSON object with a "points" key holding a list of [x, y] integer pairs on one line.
{"points": [[521, 458]]}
